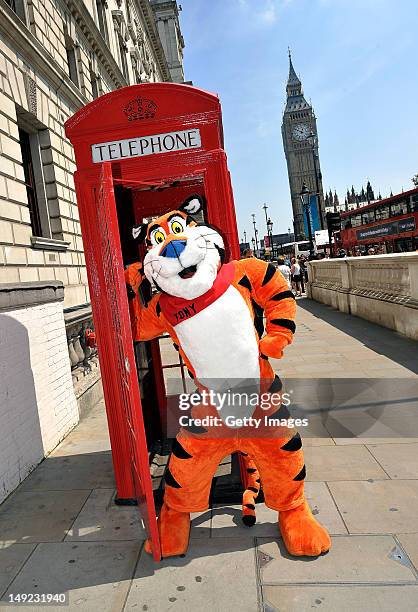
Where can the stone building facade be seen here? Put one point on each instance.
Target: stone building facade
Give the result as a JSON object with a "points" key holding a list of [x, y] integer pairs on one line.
{"points": [[300, 143], [55, 56], [167, 18]]}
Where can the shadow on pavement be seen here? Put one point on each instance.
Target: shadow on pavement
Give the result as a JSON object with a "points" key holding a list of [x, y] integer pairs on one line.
{"points": [[383, 341]]}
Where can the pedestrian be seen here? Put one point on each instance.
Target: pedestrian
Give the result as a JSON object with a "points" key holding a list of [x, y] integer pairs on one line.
{"points": [[296, 277], [285, 270], [303, 272], [371, 251], [247, 253]]}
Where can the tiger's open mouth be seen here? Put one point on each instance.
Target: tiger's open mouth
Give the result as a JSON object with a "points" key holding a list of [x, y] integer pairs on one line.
{"points": [[188, 272]]}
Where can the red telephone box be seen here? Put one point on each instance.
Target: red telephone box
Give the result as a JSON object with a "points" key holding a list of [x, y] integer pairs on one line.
{"points": [[140, 151]]}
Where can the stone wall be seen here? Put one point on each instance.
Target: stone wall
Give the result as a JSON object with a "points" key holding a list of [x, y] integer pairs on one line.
{"points": [[38, 407], [382, 289], [37, 95]]}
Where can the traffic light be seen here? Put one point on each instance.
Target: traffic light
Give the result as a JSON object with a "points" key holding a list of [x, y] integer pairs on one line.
{"points": [[333, 221]]}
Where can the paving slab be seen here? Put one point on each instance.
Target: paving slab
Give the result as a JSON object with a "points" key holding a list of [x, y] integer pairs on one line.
{"points": [[63, 473], [386, 506], [226, 520], [341, 598], [398, 460], [201, 524], [328, 463], [96, 576], [375, 440], [323, 507], [409, 542], [101, 519], [214, 575], [39, 516], [12, 558], [351, 560], [227, 523]]}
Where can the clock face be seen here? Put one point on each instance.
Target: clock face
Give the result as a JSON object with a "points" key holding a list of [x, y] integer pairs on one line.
{"points": [[301, 131]]}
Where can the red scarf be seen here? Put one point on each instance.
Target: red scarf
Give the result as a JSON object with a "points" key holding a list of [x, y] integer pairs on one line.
{"points": [[176, 309]]}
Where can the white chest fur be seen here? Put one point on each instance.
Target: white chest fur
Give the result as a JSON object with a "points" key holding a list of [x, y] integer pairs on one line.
{"points": [[220, 341]]}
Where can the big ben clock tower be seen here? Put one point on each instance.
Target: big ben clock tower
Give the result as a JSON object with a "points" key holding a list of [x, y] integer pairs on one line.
{"points": [[300, 142]]}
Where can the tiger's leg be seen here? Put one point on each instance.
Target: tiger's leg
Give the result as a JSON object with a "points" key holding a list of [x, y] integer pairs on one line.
{"points": [[251, 492], [188, 479], [282, 471]]}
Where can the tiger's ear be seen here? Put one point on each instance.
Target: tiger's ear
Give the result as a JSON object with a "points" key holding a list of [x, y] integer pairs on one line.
{"points": [[193, 205], [139, 232]]}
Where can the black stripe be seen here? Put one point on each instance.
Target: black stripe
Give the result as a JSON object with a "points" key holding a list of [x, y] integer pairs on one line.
{"points": [[176, 346], [258, 318], [178, 451], [221, 252], [244, 454], [258, 480], [276, 385], [190, 374], [281, 413], [270, 272], [283, 295], [249, 506], [294, 444], [253, 489], [158, 309], [245, 282], [131, 292], [251, 470], [170, 480], [195, 429], [287, 323], [301, 475], [263, 356]]}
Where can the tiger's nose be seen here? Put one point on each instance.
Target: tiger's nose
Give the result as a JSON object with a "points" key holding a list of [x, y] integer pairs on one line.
{"points": [[174, 248]]}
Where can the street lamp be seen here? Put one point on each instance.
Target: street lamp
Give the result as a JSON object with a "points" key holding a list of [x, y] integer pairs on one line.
{"points": [[270, 235], [304, 196], [313, 140], [255, 233], [245, 237]]}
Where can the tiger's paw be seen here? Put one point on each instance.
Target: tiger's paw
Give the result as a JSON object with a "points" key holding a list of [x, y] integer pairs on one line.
{"points": [[174, 530], [302, 534]]}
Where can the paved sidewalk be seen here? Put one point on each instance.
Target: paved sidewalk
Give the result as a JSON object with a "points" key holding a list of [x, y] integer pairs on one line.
{"points": [[61, 532]]}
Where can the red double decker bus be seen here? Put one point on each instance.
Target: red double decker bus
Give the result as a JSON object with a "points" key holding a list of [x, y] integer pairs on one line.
{"points": [[390, 223]]}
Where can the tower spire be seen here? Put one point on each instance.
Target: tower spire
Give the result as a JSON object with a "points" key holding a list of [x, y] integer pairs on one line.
{"points": [[293, 79]]}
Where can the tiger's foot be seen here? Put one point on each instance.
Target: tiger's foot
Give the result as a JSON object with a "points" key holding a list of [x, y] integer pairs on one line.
{"points": [[301, 532], [174, 530]]}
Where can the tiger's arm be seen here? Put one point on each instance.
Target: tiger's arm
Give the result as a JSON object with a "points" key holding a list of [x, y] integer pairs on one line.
{"points": [[270, 290], [145, 320]]}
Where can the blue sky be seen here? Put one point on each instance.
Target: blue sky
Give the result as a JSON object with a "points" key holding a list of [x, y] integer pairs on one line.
{"points": [[358, 63]]}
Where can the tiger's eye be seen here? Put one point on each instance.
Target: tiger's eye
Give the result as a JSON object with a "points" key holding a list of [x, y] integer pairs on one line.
{"points": [[159, 237], [176, 227]]}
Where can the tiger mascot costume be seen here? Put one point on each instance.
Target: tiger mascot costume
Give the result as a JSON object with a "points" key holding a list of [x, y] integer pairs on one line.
{"points": [[207, 306]]}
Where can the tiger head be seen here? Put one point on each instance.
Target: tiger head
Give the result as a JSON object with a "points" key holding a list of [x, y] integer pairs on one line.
{"points": [[184, 256]]}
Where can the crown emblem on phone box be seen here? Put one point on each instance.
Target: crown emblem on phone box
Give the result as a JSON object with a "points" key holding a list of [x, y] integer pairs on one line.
{"points": [[140, 108]]}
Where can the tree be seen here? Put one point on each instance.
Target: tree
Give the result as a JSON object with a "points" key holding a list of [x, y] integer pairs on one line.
{"points": [[414, 179]]}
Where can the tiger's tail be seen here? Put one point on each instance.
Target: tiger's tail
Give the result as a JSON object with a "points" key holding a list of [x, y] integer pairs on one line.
{"points": [[251, 492]]}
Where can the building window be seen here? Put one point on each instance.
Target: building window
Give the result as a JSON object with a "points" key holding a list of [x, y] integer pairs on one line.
{"points": [[101, 6], [28, 169], [122, 52], [382, 212], [94, 83], [18, 7], [34, 181], [71, 59], [136, 68]]}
